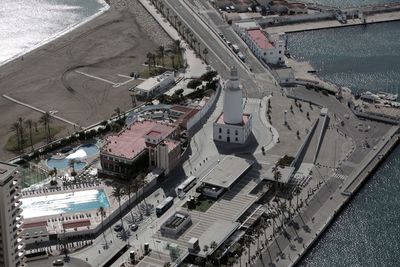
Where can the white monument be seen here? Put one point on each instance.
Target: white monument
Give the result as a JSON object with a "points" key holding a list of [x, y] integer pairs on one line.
{"points": [[232, 125]]}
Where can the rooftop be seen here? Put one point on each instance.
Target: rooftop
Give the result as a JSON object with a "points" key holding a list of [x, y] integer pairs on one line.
{"points": [[260, 39], [246, 118], [151, 82], [131, 141], [227, 171], [218, 232], [6, 169]]}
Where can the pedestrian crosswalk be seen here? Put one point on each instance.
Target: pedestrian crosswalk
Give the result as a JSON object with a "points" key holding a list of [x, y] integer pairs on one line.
{"points": [[340, 176]]}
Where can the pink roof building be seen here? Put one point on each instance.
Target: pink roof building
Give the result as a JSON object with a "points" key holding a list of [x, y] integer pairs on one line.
{"points": [[260, 39], [131, 141]]}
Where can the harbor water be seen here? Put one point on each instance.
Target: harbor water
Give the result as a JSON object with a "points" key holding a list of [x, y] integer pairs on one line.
{"points": [[367, 232]]}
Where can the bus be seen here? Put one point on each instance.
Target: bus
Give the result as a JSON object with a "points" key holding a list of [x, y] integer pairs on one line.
{"points": [[184, 187], [164, 206]]}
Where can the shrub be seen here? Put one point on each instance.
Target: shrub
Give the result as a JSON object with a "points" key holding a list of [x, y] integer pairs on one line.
{"points": [[194, 83], [208, 76]]}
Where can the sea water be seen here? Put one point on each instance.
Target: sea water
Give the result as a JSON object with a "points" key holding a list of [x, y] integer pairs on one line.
{"points": [[26, 24], [367, 232]]}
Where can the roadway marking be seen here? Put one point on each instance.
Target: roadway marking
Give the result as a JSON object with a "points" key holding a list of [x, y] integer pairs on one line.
{"points": [[115, 85], [40, 110], [95, 77]]}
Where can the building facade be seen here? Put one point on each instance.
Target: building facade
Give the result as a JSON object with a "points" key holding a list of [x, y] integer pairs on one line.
{"points": [[232, 125], [11, 245], [142, 143], [155, 85], [269, 48]]}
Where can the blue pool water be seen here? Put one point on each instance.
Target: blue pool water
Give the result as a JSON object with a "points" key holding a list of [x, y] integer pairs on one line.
{"points": [[61, 164], [72, 202]]}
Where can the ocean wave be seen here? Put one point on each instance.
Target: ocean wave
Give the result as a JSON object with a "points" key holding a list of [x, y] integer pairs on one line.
{"points": [[22, 30]]}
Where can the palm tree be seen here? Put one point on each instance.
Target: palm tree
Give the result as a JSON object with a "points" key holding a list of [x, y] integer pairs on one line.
{"points": [[199, 48], [118, 112], [173, 61], [71, 164], [117, 193], [149, 60], [21, 132], [101, 211], [128, 191], [297, 191], [179, 26], [213, 245], [194, 41], [161, 50], [205, 249], [277, 177], [283, 207], [205, 52], [46, 120], [29, 125], [15, 127], [248, 241]]}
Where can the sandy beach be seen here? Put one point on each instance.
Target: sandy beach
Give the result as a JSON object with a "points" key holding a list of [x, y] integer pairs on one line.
{"points": [[83, 75]]}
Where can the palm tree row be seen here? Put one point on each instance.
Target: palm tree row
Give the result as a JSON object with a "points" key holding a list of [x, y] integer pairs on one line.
{"points": [[182, 29], [133, 187], [22, 127]]}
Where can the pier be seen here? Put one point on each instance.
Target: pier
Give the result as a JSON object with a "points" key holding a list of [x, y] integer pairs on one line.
{"points": [[325, 18]]}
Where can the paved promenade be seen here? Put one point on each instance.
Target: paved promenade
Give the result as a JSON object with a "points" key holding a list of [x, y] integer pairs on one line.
{"points": [[321, 210]]}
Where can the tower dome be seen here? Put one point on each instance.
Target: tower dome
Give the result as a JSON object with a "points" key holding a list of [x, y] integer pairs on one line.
{"points": [[233, 102]]}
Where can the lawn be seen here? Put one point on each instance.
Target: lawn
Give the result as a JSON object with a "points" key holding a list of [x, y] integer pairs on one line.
{"points": [[37, 137], [202, 204]]}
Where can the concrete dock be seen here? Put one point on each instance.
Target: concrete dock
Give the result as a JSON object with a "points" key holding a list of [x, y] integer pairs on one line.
{"points": [[327, 24]]}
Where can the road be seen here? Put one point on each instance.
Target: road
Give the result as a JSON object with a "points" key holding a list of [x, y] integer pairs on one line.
{"points": [[220, 56]]}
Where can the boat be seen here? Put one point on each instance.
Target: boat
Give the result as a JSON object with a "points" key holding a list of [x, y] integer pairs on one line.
{"points": [[368, 96], [387, 96]]}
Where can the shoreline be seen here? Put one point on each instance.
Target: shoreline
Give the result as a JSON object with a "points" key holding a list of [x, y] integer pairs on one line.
{"points": [[105, 7]]}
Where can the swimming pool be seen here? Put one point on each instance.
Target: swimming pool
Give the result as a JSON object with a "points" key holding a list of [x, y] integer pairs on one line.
{"points": [[71, 202], [82, 152]]}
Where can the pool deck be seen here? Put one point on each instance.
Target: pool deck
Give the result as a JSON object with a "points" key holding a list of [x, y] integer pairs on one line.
{"points": [[71, 222]]}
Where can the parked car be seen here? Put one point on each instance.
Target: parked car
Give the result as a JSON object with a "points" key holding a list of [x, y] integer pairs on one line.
{"points": [[134, 227], [118, 228], [58, 262]]}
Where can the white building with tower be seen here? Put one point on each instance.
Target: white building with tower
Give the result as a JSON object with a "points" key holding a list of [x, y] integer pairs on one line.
{"points": [[232, 125]]}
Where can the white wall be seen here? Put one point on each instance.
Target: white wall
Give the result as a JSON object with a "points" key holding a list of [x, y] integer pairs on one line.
{"points": [[236, 134]]}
